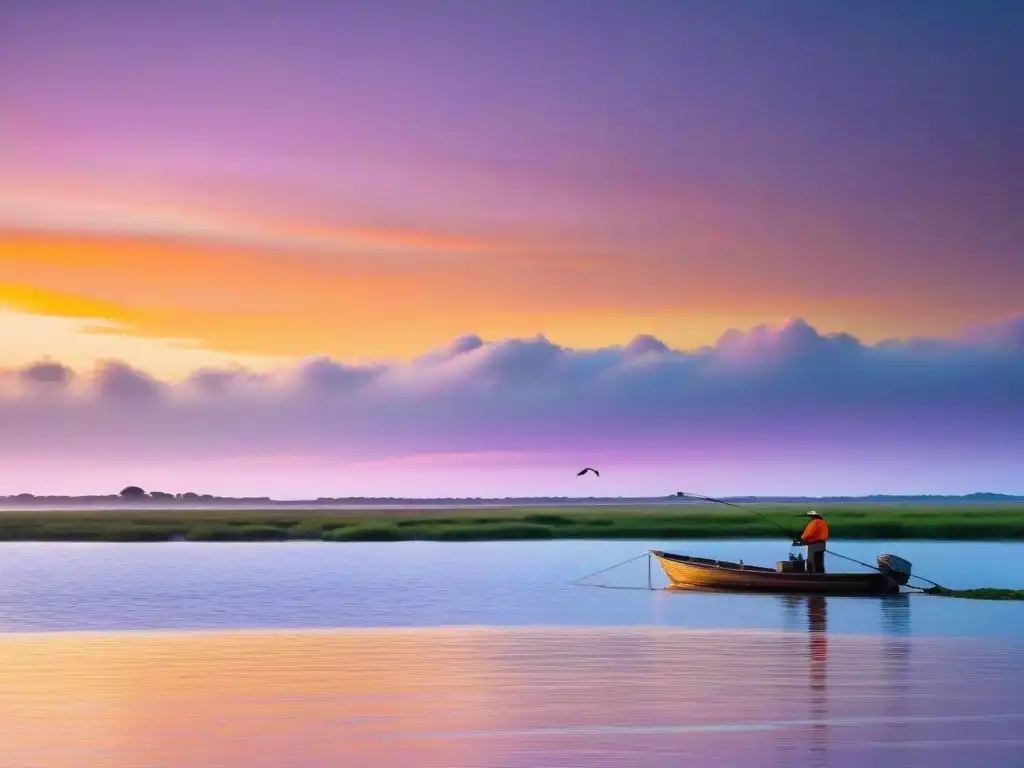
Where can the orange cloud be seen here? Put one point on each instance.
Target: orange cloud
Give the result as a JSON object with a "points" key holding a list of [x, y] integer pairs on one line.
{"points": [[371, 293], [270, 302], [238, 300]]}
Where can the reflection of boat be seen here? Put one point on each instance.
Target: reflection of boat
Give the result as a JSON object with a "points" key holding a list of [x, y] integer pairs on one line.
{"points": [[896, 615], [700, 573], [817, 633]]}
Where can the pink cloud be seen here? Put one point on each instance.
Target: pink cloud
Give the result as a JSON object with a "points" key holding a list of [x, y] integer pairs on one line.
{"points": [[483, 407]]}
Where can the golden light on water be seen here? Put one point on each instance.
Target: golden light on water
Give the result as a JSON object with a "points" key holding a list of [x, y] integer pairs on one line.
{"points": [[489, 697]]}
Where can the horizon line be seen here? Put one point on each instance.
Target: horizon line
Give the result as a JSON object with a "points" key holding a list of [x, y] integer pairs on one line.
{"points": [[191, 497]]}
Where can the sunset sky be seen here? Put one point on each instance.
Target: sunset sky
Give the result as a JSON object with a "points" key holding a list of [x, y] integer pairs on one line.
{"points": [[459, 248]]}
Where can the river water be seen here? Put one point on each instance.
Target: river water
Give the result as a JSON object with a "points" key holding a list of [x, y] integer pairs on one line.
{"points": [[483, 655]]}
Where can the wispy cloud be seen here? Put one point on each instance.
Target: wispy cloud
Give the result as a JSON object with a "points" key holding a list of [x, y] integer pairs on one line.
{"points": [[77, 217]]}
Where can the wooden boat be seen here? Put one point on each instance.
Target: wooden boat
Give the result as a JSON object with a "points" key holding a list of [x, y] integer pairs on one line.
{"points": [[685, 572]]}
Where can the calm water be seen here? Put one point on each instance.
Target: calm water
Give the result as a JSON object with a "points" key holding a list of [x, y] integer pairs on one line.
{"points": [[55, 587], [481, 655]]}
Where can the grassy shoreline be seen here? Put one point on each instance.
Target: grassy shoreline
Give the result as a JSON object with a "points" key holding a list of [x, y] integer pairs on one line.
{"points": [[865, 521]]}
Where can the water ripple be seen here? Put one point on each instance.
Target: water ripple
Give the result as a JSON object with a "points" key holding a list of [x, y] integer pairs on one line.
{"points": [[508, 698]]}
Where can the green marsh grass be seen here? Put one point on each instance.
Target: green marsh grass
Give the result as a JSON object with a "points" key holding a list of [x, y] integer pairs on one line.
{"points": [[851, 520]]}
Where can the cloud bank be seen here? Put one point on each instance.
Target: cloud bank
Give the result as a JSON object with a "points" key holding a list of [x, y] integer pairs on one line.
{"points": [[785, 390]]}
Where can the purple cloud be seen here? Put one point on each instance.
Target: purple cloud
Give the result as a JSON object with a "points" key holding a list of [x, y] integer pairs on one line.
{"points": [[460, 346], [643, 345], [998, 336], [325, 376], [119, 383], [783, 389], [47, 374], [221, 381]]}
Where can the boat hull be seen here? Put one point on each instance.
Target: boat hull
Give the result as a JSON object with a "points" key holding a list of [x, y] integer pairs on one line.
{"points": [[685, 572]]}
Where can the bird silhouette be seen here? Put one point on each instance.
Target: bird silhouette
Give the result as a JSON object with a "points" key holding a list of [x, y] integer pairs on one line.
{"points": [[587, 469]]}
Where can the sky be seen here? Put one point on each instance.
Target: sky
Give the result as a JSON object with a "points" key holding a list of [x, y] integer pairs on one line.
{"points": [[463, 249]]}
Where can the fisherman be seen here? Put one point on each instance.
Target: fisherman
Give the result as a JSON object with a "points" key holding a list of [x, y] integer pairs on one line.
{"points": [[814, 537]]}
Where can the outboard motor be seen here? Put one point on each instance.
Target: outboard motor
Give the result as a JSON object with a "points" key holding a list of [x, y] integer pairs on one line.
{"points": [[896, 568]]}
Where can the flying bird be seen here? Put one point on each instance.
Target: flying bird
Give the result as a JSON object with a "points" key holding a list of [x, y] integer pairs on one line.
{"points": [[587, 469]]}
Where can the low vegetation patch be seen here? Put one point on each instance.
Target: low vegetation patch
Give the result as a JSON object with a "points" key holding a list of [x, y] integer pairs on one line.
{"points": [[985, 593]]}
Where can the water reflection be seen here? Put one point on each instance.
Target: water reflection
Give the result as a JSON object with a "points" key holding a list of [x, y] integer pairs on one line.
{"points": [[896, 614], [580, 698], [817, 641], [810, 614], [896, 659]]}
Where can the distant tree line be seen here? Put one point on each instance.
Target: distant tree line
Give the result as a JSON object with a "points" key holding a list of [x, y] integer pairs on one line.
{"points": [[135, 493]]}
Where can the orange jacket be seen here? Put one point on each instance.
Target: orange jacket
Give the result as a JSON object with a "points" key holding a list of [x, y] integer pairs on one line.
{"points": [[815, 531]]}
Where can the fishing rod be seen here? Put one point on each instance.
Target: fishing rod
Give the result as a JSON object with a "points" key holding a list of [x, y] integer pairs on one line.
{"points": [[737, 506], [831, 552], [935, 589]]}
